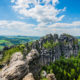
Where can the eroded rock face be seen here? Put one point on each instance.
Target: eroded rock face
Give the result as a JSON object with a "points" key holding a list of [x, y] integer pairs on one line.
{"points": [[15, 72], [33, 62], [18, 67], [15, 57], [64, 45], [32, 55], [51, 77], [29, 76]]}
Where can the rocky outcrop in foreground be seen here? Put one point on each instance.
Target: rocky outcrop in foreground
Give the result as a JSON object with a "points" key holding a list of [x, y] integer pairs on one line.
{"points": [[29, 76], [19, 67], [51, 77]]}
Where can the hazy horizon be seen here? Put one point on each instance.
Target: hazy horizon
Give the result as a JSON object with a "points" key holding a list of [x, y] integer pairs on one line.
{"points": [[35, 36]]}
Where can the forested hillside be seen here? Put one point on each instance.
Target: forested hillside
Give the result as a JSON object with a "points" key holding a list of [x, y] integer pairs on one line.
{"points": [[65, 69], [15, 40]]}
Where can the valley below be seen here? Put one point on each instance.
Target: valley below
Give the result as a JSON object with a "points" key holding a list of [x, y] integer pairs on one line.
{"points": [[8, 41]]}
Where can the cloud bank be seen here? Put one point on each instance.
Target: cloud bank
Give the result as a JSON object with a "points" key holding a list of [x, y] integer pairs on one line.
{"points": [[22, 28]]}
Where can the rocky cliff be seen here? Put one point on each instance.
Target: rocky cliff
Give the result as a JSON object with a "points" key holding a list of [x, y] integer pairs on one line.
{"points": [[19, 67], [52, 47]]}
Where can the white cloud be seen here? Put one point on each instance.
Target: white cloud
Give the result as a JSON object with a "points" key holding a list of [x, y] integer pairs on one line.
{"points": [[46, 13], [65, 25], [16, 28], [12, 1], [55, 1], [22, 28], [59, 28]]}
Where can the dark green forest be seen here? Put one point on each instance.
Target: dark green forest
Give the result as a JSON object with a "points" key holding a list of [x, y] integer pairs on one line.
{"points": [[65, 69]]}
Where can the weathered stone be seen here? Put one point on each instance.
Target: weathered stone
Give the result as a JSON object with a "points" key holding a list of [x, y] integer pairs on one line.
{"points": [[65, 45], [33, 62], [16, 56], [16, 69], [29, 76], [32, 55], [51, 77]]}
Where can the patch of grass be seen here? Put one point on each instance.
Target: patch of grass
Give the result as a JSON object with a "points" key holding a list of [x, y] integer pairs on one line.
{"points": [[78, 40], [1, 48]]}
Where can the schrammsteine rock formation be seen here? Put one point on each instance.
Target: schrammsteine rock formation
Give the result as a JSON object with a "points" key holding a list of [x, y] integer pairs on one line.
{"points": [[63, 45]]}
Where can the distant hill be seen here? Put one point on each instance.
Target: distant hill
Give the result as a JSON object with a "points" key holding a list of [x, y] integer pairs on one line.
{"points": [[15, 40]]}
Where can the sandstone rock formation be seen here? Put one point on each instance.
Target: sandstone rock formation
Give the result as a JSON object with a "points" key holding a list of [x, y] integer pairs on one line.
{"points": [[51, 77], [32, 55], [19, 67], [63, 45], [33, 62], [29, 76], [16, 69]]}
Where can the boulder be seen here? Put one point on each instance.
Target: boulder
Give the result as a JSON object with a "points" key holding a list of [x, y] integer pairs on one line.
{"points": [[16, 56], [32, 55], [16, 69], [29, 76], [51, 77], [43, 74]]}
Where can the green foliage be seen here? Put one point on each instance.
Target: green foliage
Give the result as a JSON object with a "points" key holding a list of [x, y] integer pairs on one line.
{"points": [[76, 41], [50, 45], [47, 45], [15, 40], [1, 48], [65, 69], [30, 43], [78, 77], [5, 43], [44, 79], [8, 53]]}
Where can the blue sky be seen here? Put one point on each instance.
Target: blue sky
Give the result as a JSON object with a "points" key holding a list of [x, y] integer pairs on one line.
{"points": [[39, 17]]}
